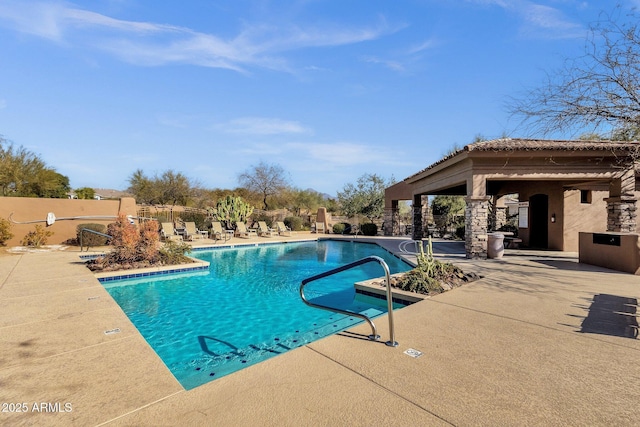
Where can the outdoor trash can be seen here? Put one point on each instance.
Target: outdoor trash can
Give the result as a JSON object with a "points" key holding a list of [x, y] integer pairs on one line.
{"points": [[495, 245]]}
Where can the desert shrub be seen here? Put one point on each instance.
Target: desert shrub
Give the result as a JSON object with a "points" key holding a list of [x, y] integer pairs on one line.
{"points": [[202, 220], [173, 252], [263, 217], [294, 223], [338, 228], [91, 239], [5, 231], [369, 229], [36, 238]]}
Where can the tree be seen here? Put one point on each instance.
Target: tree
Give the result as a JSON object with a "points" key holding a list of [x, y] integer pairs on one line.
{"points": [[23, 173], [366, 197], [446, 210], [305, 199], [599, 90], [265, 179], [87, 193], [170, 188]]}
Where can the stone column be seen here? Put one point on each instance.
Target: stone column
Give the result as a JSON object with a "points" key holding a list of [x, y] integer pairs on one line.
{"points": [[621, 215], [417, 232], [390, 221], [476, 225], [621, 205]]}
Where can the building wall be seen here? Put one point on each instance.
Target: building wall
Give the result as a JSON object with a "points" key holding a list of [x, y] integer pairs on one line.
{"points": [[583, 217], [30, 209], [554, 191]]}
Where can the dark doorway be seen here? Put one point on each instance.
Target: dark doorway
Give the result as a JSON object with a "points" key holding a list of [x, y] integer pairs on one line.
{"points": [[538, 220]]}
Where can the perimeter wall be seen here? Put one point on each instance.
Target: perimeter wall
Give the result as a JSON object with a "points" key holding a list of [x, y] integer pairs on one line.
{"points": [[26, 209]]}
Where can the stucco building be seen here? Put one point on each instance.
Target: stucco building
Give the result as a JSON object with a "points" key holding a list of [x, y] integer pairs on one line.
{"points": [[563, 187]]}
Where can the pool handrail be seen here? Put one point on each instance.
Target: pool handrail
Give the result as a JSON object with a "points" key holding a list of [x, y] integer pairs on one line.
{"points": [[374, 336], [94, 232]]}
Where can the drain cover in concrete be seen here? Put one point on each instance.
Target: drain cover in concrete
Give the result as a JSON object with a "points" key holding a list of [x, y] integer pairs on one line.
{"points": [[413, 353]]}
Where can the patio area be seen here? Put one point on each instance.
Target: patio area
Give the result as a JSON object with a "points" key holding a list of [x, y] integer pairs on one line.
{"points": [[539, 340]]}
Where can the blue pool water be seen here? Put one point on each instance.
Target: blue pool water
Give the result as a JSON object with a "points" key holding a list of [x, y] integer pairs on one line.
{"points": [[247, 307]]}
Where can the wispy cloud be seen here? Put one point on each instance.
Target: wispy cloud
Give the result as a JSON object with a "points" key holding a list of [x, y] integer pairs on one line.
{"points": [[262, 126], [539, 20], [152, 44], [392, 65]]}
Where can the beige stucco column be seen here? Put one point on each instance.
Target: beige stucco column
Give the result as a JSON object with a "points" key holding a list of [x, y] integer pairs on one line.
{"points": [[622, 204]]}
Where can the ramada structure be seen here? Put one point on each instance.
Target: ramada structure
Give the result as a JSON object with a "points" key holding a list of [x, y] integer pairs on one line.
{"points": [[564, 188]]}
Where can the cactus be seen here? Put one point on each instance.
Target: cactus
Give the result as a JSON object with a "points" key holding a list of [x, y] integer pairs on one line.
{"points": [[231, 210]]}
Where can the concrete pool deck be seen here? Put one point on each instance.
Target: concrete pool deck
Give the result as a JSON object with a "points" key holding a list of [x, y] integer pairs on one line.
{"points": [[539, 340]]}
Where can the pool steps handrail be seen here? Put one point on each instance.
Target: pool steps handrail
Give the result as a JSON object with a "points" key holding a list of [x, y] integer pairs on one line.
{"points": [[94, 232], [374, 336]]}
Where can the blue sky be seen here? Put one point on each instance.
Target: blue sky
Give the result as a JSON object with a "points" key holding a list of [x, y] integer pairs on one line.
{"points": [[329, 90]]}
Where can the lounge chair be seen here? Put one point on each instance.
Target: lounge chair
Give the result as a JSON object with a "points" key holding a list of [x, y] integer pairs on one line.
{"points": [[191, 232], [319, 228], [168, 232], [282, 228], [243, 231], [264, 230], [217, 233]]}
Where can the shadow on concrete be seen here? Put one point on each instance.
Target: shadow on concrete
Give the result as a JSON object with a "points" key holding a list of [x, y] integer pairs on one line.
{"points": [[612, 315]]}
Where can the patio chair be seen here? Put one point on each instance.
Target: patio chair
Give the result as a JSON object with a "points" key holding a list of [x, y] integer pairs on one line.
{"points": [[319, 228], [243, 231], [217, 233], [191, 232], [168, 232], [264, 230], [282, 228]]}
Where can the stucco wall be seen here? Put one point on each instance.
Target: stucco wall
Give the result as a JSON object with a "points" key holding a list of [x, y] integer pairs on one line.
{"points": [[555, 193], [625, 257], [583, 217], [31, 209]]}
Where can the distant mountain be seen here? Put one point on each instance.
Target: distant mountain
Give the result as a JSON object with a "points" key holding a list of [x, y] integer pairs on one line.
{"points": [[107, 193]]}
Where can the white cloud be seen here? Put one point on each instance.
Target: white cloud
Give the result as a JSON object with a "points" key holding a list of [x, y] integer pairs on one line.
{"points": [[540, 21], [393, 65], [262, 126], [152, 44]]}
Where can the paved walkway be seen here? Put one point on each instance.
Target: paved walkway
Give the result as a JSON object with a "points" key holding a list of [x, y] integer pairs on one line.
{"points": [[539, 340]]}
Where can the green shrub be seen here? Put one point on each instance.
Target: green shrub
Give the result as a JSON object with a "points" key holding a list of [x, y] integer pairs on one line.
{"points": [[36, 238], [263, 217], [90, 239], [338, 228], [173, 252], [5, 231], [460, 232], [202, 221], [369, 229], [293, 222]]}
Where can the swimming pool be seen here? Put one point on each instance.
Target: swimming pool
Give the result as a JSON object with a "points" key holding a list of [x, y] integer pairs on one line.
{"points": [[247, 308]]}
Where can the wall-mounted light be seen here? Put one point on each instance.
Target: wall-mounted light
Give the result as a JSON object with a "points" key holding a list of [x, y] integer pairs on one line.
{"points": [[553, 217]]}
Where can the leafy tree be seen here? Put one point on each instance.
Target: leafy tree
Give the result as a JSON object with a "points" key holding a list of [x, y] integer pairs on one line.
{"points": [[445, 210], [265, 179], [86, 193], [305, 199], [23, 173], [599, 90], [169, 188], [365, 197]]}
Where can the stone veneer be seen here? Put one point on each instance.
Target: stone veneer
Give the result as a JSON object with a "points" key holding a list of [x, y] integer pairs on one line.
{"points": [[476, 221], [621, 215]]}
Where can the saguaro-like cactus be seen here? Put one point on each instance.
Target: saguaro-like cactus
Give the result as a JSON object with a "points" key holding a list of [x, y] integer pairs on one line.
{"points": [[231, 210]]}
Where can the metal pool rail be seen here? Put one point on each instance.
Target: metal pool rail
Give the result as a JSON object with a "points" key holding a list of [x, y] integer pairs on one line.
{"points": [[374, 336]]}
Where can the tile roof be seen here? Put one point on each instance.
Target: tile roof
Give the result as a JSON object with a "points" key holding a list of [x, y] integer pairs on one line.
{"points": [[519, 144]]}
